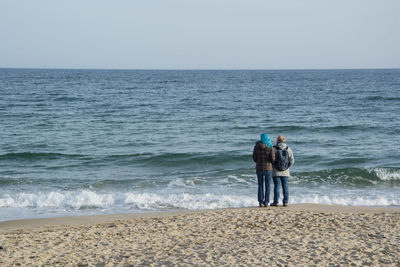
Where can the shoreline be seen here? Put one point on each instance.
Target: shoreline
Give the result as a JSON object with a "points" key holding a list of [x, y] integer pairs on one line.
{"points": [[81, 220]]}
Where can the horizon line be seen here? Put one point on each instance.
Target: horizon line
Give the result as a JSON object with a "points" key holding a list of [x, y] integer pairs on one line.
{"points": [[194, 69]]}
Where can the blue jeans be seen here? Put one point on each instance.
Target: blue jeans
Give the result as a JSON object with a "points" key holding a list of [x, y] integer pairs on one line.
{"points": [[264, 177], [285, 188]]}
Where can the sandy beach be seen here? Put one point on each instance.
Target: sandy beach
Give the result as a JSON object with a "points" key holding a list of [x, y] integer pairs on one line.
{"points": [[300, 235]]}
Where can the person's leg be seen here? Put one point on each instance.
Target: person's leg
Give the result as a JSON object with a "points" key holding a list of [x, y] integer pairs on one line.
{"points": [[285, 189], [268, 178], [260, 179], [276, 190]]}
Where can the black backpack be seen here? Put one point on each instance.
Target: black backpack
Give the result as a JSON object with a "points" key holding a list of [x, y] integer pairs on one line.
{"points": [[282, 159]]}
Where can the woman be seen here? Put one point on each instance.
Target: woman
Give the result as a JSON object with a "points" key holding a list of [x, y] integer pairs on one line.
{"points": [[281, 173], [264, 157]]}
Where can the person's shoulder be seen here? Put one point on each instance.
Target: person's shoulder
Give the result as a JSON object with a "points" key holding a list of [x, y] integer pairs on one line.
{"points": [[256, 146]]}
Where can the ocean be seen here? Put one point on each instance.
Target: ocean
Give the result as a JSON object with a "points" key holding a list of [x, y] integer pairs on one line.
{"points": [[80, 142]]}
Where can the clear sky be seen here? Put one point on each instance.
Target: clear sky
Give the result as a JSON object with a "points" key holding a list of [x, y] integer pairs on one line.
{"points": [[202, 34]]}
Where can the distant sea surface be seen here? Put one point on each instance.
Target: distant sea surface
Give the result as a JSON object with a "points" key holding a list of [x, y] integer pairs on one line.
{"points": [[76, 142]]}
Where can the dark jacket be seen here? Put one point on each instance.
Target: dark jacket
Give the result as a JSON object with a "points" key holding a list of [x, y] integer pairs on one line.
{"points": [[263, 156]]}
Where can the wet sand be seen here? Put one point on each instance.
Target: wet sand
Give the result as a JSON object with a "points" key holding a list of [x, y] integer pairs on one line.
{"points": [[304, 234]]}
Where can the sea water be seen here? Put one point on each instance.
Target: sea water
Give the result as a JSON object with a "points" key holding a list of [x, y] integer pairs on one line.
{"points": [[76, 142]]}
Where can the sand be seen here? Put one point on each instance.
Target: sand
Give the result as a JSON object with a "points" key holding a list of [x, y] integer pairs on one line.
{"points": [[300, 235]]}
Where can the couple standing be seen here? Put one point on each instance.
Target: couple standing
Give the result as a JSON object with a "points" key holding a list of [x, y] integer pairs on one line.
{"points": [[272, 162]]}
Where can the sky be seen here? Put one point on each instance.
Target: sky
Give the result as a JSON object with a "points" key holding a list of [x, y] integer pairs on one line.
{"points": [[202, 34]]}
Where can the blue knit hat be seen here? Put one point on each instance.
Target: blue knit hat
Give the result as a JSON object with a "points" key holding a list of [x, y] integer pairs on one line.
{"points": [[265, 139]]}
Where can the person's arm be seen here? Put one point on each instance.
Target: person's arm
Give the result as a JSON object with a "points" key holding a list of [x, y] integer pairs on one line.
{"points": [[291, 158], [272, 156], [254, 155]]}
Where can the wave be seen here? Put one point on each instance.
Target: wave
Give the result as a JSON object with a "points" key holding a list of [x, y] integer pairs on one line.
{"points": [[383, 98], [9, 180], [166, 159], [347, 161], [69, 201], [188, 159], [86, 199], [350, 177], [345, 128], [235, 178], [38, 156], [66, 99], [287, 128], [312, 128], [48, 182], [167, 163]]}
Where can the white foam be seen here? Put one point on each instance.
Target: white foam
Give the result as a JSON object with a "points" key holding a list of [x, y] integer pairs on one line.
{"points": [[386, 174], [243, 179], [347, 200], [86, 198], [56, 200], [66, 202]]}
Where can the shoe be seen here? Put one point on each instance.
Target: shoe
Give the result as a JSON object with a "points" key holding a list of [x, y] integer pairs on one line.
{"points": [[261, 205], [285, 204], [274, 204]]}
